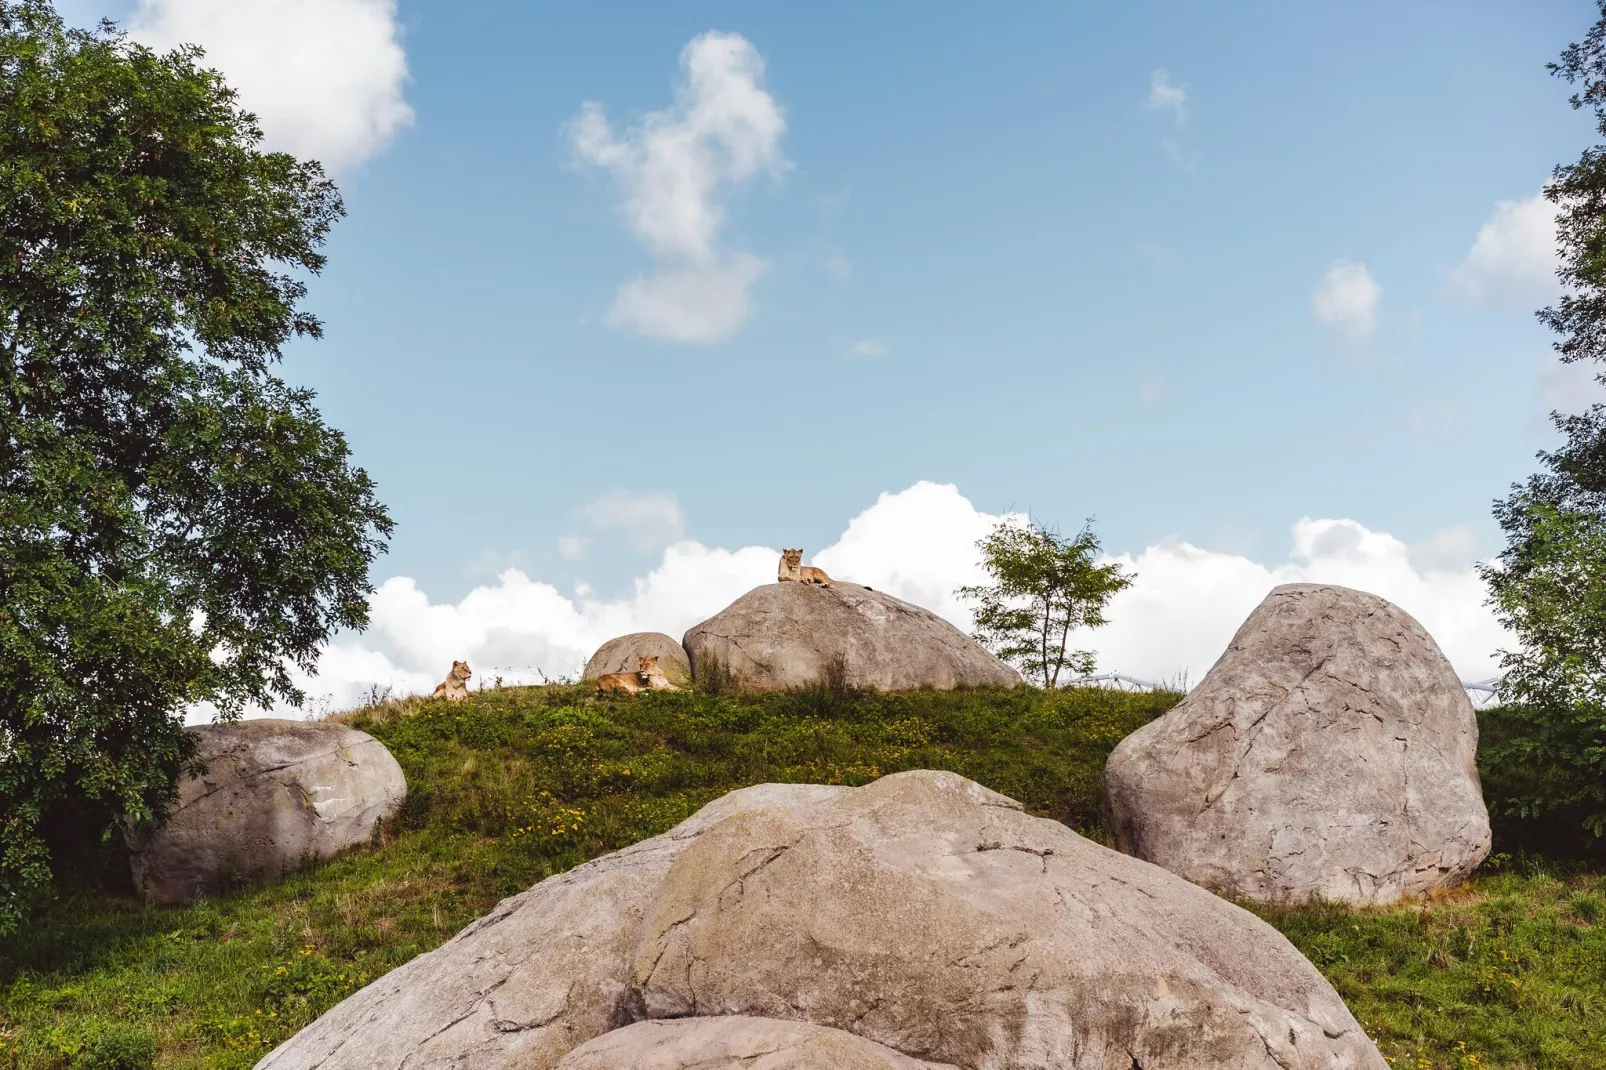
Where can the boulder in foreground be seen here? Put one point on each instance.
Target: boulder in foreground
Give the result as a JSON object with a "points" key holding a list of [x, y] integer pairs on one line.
{"points": [[621, 654], [785, 635], [275, 794], [735, 1043], [923, 915], [1329, 754]]}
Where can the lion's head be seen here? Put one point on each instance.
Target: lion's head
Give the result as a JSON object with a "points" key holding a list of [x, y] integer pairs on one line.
{"points": [[461, 671], [648, 664], [792, 557]]}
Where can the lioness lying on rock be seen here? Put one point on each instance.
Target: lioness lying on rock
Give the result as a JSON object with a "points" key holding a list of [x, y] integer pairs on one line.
{"points": [[455, 686], [793, 568], [647, 677]]}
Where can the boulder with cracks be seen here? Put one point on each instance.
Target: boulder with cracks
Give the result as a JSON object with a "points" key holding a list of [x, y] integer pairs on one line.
{"points": [[785, 635], [1329, 754], [921, 921], [735, 1043], [274, 795]]}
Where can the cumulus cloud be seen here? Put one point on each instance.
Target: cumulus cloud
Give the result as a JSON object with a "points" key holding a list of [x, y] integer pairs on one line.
{"points": [[918, 544], [325, 77], [867, 347], [647, 521], [1347, 299], [676, 170], [1453, 549], [1513, 258], [1166, 96]]}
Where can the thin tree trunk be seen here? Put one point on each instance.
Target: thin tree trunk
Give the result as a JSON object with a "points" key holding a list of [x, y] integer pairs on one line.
{"points": [[1043, 643], [1065, 633]]}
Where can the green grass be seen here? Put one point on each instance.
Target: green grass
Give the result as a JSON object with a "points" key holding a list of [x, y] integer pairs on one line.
{"points": [[517, 784]]}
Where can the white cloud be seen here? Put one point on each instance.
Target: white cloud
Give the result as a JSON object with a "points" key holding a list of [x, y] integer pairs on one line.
{"points": [[1513, 258], [1455, 548], [1165, 96], [325, 77], [1347, 299], [676, 169], [867, 347], [647, 521], [697, 303], [571, 546], [918, 544], [1187, 602]]}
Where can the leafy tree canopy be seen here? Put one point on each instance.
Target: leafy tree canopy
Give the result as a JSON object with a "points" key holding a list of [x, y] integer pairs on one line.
{"points": [[1549, 585], [1045, 587], [176, 524]]}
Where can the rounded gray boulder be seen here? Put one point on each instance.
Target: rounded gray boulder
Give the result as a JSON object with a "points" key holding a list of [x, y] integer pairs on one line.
{"points": [[1330, 753], [736, 1042], [919, 921], [619, 655], [785, 635], [275, 794]]}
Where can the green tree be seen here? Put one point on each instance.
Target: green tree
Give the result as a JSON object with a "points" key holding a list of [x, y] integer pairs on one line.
{"points": [[1045, 586], [176, 524], [1549, 584], [1552, 594]]}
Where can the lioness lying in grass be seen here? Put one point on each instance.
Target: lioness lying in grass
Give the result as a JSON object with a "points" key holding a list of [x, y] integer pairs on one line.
{"points": [[647, 677]]}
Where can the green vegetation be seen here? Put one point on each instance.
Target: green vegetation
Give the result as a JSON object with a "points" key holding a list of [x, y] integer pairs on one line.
{"points": [[1045, 586], [1549, 585], [176, 524], [514, 785]]}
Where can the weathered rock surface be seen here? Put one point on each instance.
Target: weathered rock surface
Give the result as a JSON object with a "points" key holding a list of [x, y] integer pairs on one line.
{"points": [[619, 655], [735, 1043], [923, 914], [543, 972], [785, 635], [1330, 753], [931, 916], [275, 793]]}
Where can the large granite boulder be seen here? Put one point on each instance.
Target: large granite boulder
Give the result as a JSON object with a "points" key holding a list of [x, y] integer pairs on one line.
{"points": [[543, 972], [621, 654], [1329, 754], [785, 635], [736, 1043], [274, 795], [923, 916]]}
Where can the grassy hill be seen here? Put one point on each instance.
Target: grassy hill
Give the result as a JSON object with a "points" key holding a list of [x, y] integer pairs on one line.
{"points": [[517, 784]]}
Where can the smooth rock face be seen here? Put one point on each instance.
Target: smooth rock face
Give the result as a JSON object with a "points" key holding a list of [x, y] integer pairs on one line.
{"points": [[785, 635], [543, 972], [1329, 753], [735, 1043], [923, 914], [619, 655], [275, 794]]}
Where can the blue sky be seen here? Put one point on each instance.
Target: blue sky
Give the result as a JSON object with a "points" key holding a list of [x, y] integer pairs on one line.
{"points": [[1082, 245]]}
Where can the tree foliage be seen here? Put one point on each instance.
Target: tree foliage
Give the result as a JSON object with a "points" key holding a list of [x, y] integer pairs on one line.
{"points": [[1045, 586], [1549, 585], [176, 524], [1552, 594]]}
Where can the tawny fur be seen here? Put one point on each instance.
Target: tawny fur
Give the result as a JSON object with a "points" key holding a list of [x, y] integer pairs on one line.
{"points": [[455, 686], [647, 677], [653, 676], [792, 568]]}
